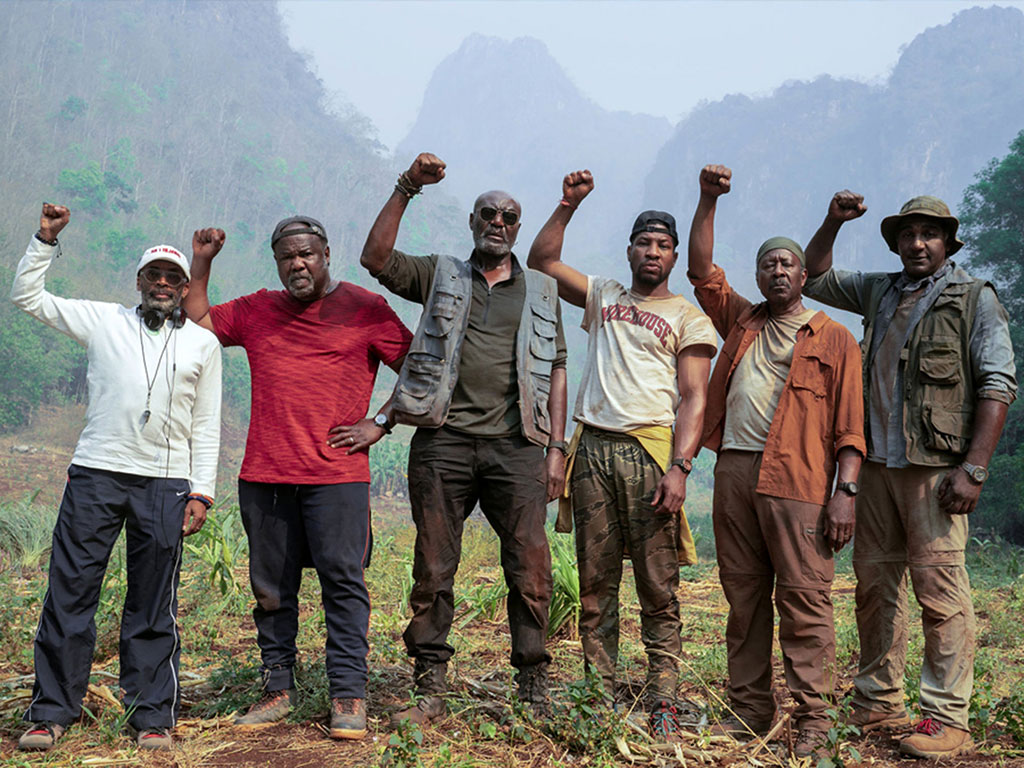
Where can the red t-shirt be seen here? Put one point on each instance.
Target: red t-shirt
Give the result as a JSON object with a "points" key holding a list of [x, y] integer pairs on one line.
{"points": [[313, 367]]}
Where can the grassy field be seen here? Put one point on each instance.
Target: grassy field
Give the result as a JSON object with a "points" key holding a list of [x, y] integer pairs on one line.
{"points": [[485, 726]]}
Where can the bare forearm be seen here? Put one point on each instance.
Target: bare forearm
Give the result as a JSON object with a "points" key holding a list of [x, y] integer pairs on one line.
{"points": [[689, 425], [819, 250], [556, 404], [381, 240], [702, 238], [849, 461], [547, 246], [197, 302], [988, 426]]}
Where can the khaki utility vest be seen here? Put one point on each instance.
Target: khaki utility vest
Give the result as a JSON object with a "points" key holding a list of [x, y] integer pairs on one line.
{"points": [[426, 382], [938, 395]]}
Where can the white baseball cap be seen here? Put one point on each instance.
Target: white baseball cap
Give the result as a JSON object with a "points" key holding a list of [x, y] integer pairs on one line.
{"points": [[165, 253]]}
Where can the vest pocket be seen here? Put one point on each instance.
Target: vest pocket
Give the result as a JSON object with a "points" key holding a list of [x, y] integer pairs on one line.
{"points": [[441, 320], [418, 385], [947, 430], [545, 329]]}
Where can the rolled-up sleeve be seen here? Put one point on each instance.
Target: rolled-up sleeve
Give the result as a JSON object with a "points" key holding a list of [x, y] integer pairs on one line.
{"points": [[718, 300], [408, 276], [848, 425], [838, 288], [992, 350]]}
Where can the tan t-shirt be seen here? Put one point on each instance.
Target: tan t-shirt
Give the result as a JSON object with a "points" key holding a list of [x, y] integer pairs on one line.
{"points": [[758, 381], [633, 342]]}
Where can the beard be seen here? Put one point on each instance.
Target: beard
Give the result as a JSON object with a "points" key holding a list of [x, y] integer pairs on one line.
{"points": [[651, 278], [301, 286], [164, 305], [491, 248]]}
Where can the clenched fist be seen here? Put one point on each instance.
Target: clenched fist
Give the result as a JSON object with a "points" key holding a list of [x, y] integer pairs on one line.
{"points": [[206, 243], [576, 186], [846, 206], [52, 220], [715, 180], [426, 169]]}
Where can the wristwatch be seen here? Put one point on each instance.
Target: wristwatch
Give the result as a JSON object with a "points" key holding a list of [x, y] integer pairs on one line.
{"points": [[381, 420], [559, 445], [848, 487], [684, 464], [976, 473]]}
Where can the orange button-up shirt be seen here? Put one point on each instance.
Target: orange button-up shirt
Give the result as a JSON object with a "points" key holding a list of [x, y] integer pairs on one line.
{"points": [[821, 408]]}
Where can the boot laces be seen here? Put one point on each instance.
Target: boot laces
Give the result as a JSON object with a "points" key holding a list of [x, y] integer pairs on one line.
{"points": [[929, 726], [664, 719]]}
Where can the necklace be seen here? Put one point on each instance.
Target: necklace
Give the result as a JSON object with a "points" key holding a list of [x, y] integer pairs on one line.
{"points": [[156, 370]]}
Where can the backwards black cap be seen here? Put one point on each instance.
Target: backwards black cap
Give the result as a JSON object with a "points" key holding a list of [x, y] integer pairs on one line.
{"points": [[313, 227], [655, 221]]}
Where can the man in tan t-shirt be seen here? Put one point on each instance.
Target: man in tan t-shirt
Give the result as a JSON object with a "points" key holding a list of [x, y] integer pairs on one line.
{"points": [[784, 410], [639, 414]]}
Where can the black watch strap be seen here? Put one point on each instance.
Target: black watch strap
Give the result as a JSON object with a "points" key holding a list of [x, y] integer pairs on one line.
{"points": [[559, 445], [684, 464]]}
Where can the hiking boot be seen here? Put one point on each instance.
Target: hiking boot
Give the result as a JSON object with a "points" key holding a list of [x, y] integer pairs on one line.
{"points": [[533, 688], [273, 707], [934, 739], [809, 743], [430, 686], [872, 719], [664, 721], [154, 738], [348, 718], [41, 736], [740, 730]]}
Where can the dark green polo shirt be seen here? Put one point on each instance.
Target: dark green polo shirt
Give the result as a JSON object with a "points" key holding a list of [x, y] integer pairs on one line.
{"points": [[486, 397]]}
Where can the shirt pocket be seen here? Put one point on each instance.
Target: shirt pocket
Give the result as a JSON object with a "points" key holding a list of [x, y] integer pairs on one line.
{"points": [[812, 373]]}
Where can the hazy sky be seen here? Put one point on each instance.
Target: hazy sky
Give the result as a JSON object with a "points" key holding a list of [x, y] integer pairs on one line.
{"points": [[661, 58]]}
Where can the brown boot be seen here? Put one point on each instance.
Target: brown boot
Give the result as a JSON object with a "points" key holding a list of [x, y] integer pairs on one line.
{"points": [[430, 687], [934, 739], [533, 688], [872, 719]]}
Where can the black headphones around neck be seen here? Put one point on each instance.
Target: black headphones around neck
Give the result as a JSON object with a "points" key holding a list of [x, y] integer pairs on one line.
{"points": [[154, 319]]}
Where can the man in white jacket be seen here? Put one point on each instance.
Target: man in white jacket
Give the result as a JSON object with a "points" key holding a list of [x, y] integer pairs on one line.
{"points": [[146, 460]]}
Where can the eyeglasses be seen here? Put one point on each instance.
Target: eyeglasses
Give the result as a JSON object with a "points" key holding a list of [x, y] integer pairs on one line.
{"points": [[173, 279], [508, 218]]}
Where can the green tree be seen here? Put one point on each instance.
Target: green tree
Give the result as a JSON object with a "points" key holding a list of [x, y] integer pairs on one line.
{"points": [[993, 229]]}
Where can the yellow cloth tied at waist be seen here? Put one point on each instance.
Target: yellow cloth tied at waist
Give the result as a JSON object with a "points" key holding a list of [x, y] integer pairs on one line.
{"points": [[657, 441]]}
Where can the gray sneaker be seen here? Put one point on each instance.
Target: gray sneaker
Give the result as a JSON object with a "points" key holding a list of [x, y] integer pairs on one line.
{"points": [[272, 708], [41, 736], [348, 718], [154, 738]]}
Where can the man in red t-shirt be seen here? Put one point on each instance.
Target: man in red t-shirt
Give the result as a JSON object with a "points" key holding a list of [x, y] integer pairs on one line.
{"points": [[313, 351]]}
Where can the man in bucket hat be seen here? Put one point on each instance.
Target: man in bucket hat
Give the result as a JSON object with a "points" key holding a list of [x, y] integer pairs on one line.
{"points": [[939, 377]]}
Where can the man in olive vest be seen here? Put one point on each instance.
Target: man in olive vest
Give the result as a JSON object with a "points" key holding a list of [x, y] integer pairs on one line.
{"points": [[938, 379], [484, 382]]}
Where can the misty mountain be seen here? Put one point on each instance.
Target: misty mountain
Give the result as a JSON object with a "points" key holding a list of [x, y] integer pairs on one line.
{"points": [[952, 103], [152, 119], [505, 115]]}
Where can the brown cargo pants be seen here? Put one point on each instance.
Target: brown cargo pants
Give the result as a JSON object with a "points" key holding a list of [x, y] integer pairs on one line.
{"points": [[900, 526], [764, 542], [613, 484]]}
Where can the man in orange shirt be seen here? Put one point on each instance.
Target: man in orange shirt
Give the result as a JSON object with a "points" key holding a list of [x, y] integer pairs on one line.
{"points": [[784, 408]]}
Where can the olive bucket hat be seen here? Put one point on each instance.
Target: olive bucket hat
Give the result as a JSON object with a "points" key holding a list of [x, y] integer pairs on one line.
{"points": [[924, 205]]}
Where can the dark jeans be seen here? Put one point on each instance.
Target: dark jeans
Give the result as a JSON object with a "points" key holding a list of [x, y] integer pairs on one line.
{"points": [[290, 526], [96, 504], [449, 472]]}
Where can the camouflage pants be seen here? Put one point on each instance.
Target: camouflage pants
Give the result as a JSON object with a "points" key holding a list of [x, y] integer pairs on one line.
{"points": [[613, 484]]}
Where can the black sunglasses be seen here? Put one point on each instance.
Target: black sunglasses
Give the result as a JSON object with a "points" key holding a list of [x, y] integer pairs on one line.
{"points": [[173, 279], [508, 218]]}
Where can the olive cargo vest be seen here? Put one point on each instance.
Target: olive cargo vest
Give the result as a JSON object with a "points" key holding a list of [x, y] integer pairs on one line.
{"points": [[938, 394], [426, 382]]}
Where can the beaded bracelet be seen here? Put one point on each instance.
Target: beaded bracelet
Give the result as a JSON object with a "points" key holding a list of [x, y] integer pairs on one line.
{"points": [[406, 187]]}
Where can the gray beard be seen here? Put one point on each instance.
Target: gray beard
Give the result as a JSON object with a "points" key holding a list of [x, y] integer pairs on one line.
{"points": [[489, 248]]}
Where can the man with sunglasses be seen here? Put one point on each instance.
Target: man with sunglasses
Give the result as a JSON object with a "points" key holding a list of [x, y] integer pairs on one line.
{"points": [[314, 349], [638, 415], [484, 382], [146, 461]]}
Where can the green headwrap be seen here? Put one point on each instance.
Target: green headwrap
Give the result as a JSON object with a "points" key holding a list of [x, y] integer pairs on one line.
{"points": [[781, 242]]}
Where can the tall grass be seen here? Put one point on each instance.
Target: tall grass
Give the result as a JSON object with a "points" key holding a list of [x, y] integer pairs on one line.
{"points": [[26, 533]]}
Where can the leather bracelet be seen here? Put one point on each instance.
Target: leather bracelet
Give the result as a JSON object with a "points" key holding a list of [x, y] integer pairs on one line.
{"points": [[406, 187]]}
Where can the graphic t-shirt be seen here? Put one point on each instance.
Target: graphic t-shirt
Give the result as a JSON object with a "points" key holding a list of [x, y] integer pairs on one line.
{"points": [[313, 367], [633, 344], [758, 381]]}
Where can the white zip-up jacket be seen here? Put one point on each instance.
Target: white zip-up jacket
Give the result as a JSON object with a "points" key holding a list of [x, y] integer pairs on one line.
{"points": [[181, 437]]}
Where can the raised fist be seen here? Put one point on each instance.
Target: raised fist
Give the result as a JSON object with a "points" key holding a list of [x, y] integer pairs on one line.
{"points": [[206, 243], [715, 180], [52, 220], [576, 186], [426, 169], [846, 206]]}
